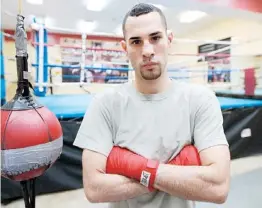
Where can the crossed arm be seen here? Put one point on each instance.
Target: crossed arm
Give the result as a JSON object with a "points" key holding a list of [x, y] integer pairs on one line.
{"points": [[209, 182], [100, 187]]}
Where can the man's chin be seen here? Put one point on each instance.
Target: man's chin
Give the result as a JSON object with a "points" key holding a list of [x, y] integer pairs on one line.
{"points": [[150, 77]]}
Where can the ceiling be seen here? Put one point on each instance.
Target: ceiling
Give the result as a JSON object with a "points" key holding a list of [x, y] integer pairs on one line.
{"points": [[66, 14]]}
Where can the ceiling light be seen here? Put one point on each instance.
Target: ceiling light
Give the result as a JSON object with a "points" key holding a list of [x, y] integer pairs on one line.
{"points": [[36, 2], [96, 5], [86, 26], [191, 16]]}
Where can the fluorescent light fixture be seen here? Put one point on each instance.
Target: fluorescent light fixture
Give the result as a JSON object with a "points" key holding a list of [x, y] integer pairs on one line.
{"points": [[96, 5], [86, 26], [191, 16], [36, 2]]}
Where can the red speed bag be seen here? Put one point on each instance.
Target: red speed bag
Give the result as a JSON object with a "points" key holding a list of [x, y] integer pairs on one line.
{"points": [[31, 139]]}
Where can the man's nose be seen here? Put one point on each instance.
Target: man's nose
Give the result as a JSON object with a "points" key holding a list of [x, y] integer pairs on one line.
{"points": [[148, 50]]}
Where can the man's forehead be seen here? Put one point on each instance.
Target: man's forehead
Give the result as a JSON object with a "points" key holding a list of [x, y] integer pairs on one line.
{"points": [[144, 24]]}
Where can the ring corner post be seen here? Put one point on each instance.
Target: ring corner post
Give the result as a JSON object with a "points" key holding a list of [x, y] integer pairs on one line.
{"points": [[3, 84], [45, 60], [36, 41], [41, 62]]}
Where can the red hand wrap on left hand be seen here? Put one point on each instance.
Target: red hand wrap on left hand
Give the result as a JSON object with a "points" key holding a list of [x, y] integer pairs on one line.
{"points": [[124, 162], [188, 156]]}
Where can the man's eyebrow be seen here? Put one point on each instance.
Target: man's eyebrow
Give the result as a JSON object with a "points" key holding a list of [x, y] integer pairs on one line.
{"points": [[155, 33], [151, 34], [134, 38]]}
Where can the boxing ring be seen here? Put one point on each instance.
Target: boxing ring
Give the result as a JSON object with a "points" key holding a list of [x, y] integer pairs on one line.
{"points": [[240, 101], [68, 107]]}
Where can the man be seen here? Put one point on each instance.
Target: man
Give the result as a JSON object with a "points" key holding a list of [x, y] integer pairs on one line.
{"points": [[137, 138]]}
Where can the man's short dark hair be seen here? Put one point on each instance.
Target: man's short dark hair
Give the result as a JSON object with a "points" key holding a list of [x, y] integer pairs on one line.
{"points": [[142, 8]]}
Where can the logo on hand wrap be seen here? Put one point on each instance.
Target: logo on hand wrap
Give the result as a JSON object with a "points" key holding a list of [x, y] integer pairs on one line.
{"points": [[145, 178]]}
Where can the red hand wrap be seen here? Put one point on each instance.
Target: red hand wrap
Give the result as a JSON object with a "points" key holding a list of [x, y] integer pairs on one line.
{"points": [[188, 156], [124, 162]]}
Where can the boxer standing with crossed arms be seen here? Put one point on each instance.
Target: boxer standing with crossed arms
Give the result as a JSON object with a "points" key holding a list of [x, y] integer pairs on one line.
{"points": [[156, 142]]}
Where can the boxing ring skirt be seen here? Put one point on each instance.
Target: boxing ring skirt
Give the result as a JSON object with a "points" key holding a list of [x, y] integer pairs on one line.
{"points": [[240, 116]]}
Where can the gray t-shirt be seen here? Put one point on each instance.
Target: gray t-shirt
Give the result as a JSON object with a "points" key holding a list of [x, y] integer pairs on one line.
{"points": [[156, 126]]}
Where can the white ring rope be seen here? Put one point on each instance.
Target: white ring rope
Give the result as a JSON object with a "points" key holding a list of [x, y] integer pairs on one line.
{"points": [[8, 35], [254, 39]]}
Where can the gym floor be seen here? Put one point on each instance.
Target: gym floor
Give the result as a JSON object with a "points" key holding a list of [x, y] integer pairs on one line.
{"points": [[245, 190]]}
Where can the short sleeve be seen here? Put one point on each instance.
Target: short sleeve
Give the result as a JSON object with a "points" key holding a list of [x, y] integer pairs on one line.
{"points": [[95, 132], [208, 122]]}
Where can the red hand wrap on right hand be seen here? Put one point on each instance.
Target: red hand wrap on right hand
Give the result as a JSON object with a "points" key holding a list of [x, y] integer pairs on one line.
{"points": [[188, 156], [124, 162]]}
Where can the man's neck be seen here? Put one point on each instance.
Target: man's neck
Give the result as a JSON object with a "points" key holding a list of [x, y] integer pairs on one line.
{"points": [[153, 86]]}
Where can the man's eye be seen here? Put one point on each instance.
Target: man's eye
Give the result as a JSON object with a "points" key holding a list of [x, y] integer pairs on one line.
{"points": [[135, 42], [155, 38]]}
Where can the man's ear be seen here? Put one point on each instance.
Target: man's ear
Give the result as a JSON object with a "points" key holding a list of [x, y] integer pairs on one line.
{"points": [[123, 44], [170, 36]]}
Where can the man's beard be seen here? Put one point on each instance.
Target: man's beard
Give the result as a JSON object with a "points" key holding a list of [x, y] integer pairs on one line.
{"points": [[151, 74]]}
